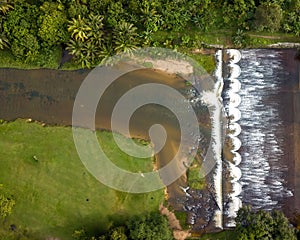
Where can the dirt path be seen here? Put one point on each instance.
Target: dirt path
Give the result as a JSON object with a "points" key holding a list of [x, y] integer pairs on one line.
{"points": [[174, 224], [265, 36]]}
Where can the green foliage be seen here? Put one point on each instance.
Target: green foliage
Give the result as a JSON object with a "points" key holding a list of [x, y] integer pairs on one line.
{"points": [[6, 202], [291, 21], [76, 8], [4, 43], [182, 218], [268, 17], [115, 14], [52, 25], [145, 227], [194, 179], [80, 235], [240, 39], [87, 39], [125, 37], [79, 28], [175, 16], [148, 227], [259, 225], [5, 7], [237, 13], [21, 30], [94, 30], [118, 233]]}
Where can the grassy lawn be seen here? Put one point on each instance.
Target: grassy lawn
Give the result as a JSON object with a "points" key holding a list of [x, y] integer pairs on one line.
{"points": [[194, 179], [53, 191], [224, 235]]}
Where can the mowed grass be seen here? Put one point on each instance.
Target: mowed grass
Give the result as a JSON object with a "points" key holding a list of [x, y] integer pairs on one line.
{"points": [[224, 235], [54, 192]]}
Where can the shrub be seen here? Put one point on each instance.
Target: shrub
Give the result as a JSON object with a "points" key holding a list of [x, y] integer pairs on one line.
{"points": [[268, 17]]}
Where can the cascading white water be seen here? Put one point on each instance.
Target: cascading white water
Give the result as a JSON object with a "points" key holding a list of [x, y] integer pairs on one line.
{"points": [[214, 101], [233, 202], [262, 136]]}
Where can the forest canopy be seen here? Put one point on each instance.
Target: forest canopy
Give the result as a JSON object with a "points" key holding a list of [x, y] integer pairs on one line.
{"points": [[93, 30]]}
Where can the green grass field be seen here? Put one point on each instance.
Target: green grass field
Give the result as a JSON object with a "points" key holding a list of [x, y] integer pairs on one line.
{"points": [[224, 235], [54, 193]]}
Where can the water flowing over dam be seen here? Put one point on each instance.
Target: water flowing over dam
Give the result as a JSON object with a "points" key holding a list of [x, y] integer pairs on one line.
{"points": [[261, 97]]}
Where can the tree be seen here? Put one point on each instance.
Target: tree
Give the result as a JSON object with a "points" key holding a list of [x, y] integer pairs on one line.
{"points": [[79, 28], [52, 25], [291, 20], [238, 12], [21, 30], [251, 225], [115, 14], [268, 17], [5, 6], [149, 226], [87, 38]]}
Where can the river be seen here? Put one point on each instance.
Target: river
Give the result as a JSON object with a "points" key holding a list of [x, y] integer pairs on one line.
{"points": [[266, 176]]}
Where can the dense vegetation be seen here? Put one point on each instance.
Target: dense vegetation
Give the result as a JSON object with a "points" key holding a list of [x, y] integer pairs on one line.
{"points": [[35, 30], [251, 225], [143, 227], [257, 225]]}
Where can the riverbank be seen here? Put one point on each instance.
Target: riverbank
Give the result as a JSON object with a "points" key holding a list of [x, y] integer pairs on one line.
{"points": [[201, 46]]}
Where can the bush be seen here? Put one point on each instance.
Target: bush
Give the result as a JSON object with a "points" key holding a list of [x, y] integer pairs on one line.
{"points": [[21, 30], [268, 17], [150, 226], [240, 39], [6, 203], [257, 225]]}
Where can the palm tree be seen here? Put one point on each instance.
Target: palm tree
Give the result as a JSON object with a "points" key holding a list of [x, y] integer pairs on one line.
{"points": [[4, 43], [106, 52], [91, 53], [95, 22], [5, 6], [125, 37], [79, 29], [75, 47]]}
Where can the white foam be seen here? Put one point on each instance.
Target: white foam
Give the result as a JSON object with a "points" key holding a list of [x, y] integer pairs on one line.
{"points": [[235, 71], [213, 100], [234, 114], [235, 99], [235, 172], [235, 85], [235, 55]]}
